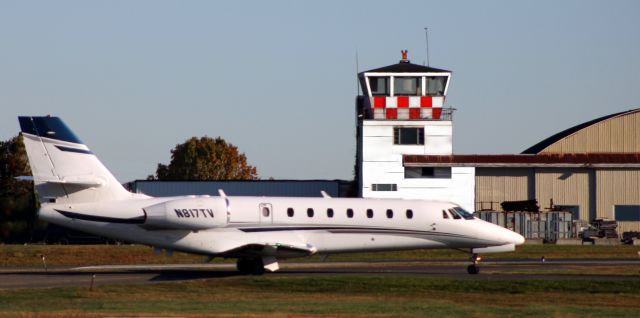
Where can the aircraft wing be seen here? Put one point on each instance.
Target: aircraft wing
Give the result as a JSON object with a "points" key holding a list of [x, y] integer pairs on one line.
{"points": [[279, 250]]}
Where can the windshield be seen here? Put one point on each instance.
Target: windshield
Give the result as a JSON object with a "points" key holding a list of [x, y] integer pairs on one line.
{"points": [[464, 213]]}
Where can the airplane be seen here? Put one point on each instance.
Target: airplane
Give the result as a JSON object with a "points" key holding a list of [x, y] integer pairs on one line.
{"points": [[77, 191]]}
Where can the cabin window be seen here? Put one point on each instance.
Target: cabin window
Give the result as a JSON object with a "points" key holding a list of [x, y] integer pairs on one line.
{"points": [[407, 86], [384, 187], [427, 172], [310, 212], [369, 213], [389, 213], [379, 86], [444, 214], [290, 212], [408, 135], [330, 213], [349, 213], [409, 214], [265, 211]]}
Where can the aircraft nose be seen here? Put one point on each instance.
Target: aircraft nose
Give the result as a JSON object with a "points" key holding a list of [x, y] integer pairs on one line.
{"points": [[512, 237]]}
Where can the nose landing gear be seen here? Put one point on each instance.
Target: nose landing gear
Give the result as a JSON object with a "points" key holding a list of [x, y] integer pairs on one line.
{"points": [[474, 269]]}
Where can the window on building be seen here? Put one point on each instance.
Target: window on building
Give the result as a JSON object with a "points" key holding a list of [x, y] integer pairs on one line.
{"points": [[379, 86], [574, 209], [409, 214], [349, 213], [389, 213], [427, 172], [369, 213], [436, 85], [330, 212], [407, 86], [310, 212], [627, 212], [408, 136], [384, 187], [290, 212]]}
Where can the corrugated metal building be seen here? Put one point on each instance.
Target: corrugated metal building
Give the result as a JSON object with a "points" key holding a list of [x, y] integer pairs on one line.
{"points": [[290, 188], [592, 169]]}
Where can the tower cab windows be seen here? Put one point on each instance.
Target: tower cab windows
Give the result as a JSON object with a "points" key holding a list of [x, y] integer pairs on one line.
{"points": [[407, 86], [436, 85], [379, 86]]}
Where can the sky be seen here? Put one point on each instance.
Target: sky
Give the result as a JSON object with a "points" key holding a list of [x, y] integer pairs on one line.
{"points": [[278, 78]]}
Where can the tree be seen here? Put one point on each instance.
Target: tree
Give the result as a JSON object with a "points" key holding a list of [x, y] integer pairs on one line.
{"points": [[17, 200], [206, 158]]}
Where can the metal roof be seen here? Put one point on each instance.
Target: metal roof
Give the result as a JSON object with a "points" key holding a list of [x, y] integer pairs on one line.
{"points": [[537, 148], [542, 160], [403, 67]]}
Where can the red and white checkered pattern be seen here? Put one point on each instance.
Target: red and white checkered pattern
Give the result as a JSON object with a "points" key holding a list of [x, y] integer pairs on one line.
{"points": [[407, 107]]}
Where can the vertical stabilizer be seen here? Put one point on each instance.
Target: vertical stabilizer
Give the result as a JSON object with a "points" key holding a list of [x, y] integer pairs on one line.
{"points": [[64, 169]]}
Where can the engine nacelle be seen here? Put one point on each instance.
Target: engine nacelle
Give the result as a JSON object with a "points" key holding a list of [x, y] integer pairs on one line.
{"points": [[187, 214]]}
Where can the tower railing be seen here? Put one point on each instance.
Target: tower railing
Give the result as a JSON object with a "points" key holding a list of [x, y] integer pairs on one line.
{"points": [[423, 113]]}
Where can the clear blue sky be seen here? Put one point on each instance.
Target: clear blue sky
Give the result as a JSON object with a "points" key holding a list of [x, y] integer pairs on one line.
{"points": [[277, 78]]}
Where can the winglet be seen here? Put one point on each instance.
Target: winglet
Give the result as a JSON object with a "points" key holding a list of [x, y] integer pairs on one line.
{"points": [[325, 195]]}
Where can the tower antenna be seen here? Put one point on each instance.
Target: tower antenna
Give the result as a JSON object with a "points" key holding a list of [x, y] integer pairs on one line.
{"points": [[357, 71], [426, 33]]}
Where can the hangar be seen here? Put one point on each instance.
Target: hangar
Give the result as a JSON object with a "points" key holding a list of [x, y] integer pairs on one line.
{"points": [[592, 170]]}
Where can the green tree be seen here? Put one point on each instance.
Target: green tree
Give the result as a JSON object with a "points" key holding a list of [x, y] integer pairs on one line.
{"points": [[206, 158], [17, 200]]}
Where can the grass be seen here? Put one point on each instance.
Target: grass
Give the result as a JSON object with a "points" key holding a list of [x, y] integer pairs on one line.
{"points": [[365, 296], [12, 256]]}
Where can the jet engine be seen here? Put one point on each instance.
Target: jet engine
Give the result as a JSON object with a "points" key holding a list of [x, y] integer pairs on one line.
{"points": [[187, 214]]}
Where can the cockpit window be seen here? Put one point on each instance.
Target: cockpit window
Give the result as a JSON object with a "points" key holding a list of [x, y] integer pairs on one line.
{"points": [[462, 212], [455, 214], [444, 214]]}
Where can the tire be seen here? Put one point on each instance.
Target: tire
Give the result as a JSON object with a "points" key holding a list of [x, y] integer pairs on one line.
{"points": [[473, 269]]}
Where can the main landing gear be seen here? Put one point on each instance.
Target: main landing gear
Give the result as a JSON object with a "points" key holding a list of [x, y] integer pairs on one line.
{"points": [[253, 266], [474, 269]]}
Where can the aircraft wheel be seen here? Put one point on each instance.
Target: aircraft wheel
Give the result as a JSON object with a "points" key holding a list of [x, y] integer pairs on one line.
{"points": [[473, 269], [257, 267], [244, 266]]}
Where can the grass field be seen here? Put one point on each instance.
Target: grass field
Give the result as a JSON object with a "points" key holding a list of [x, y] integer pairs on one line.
{"points": [[273, 296], [85, 255], [328, 295]]}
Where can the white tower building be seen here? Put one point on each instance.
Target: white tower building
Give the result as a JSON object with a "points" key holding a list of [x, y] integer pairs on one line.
{"points": [[401, 112]]}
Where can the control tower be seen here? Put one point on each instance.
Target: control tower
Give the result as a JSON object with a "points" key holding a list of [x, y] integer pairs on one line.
{"points": [[402, 112]]}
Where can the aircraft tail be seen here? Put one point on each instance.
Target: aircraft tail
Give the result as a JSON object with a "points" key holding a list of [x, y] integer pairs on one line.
{"points": [[64, 169]]}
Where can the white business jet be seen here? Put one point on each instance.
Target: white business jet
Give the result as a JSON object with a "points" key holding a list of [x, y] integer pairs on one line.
{"points": [[76, 191]]}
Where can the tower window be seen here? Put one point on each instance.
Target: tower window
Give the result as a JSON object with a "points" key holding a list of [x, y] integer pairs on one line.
{"points": [[379, 86], [408, 86], [384, 187], [408, 136], [427, 172]]}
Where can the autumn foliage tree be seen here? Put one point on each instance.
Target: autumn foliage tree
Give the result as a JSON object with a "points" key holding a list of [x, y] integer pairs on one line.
{"points": [[17, 200], [206, 158]]}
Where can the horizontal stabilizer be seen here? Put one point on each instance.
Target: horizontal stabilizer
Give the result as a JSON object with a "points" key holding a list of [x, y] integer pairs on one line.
{"points": [[84, 181]]}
